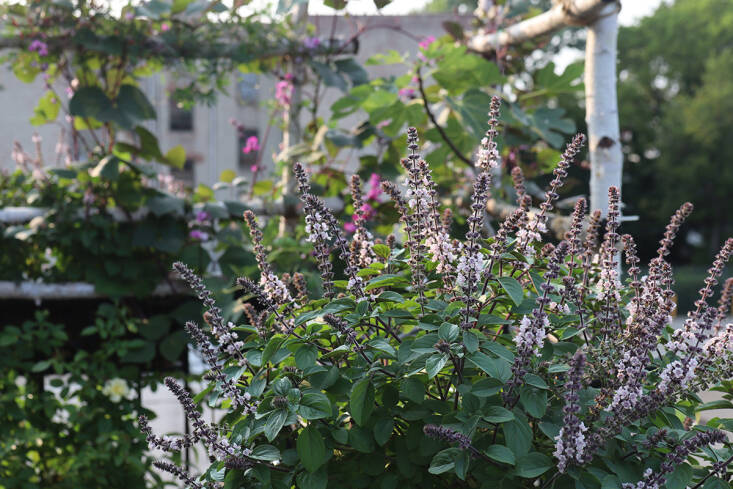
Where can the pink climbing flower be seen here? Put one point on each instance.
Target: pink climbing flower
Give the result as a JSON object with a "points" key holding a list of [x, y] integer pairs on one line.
{"points": [[252, 144], [426, 42], [284, 90], [367, 211], [39, 46], [406, 93], [165, 27], [254, 168], [375, 189]]}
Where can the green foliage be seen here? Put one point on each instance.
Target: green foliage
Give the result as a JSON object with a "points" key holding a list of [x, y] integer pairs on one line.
{"points": [[62, 425], [391, 383], [444, 94]]}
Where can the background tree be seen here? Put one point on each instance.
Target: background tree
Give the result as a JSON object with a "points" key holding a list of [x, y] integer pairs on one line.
{"points": [[676, 111]]}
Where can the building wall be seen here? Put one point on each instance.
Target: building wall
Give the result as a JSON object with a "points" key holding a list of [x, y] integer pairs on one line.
{"points": [[212, 144]]}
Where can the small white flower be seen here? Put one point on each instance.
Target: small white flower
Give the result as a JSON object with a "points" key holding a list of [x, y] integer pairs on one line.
{"points": [[116, 389]]}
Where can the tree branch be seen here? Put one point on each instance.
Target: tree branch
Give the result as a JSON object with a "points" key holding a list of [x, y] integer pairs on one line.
{"points": [[564, 13], [443, 135]]}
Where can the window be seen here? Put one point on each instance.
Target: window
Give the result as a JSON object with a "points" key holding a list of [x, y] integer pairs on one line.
{"points": [[248, 86], [181, 119], [185, 174]]}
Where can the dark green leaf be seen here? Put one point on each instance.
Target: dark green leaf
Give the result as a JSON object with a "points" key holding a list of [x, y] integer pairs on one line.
{"points": [[275, 422], [362, 401], [680, 478], [535, 380], [497, 414], [496, 367], [412, 389], [314, 405], [486, 387], [173, 346], [352, 70], [443, 461], [448, 332], [311, 448], [89, 102], [470, 341], [434, 364], [533, 400], [499, 350], [108, 168], [165, 204], [518, 436], [513, 288], [533, 465], [272, 346], [383, 430], [134, 104], [266, 453], [312, 480], [500, 453], [305, 356], [716, 483]]}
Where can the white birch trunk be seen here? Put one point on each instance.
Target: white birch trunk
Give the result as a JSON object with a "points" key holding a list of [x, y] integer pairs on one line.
{"points": [[601, 107]]}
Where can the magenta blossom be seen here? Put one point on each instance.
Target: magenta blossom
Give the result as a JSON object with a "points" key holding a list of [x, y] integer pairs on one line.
{"points": [[406, 93], [375, 189], [367, 212], [349, 227], [39, 46], [252, 144], [311, 42], [202, 216], [165, 27], [254, 168], [426, 42], [284, 92], [199, 235]]}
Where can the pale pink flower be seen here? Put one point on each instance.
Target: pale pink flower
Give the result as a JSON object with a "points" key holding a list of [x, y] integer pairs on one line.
{"points": [[311, 42], [199, 235]]}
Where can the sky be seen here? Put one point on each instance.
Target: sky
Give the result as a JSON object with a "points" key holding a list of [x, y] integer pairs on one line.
{"points": [[631, 11]]}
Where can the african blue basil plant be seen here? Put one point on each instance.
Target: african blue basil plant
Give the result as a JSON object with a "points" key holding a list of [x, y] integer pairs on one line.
{"points": [[500, 362]]}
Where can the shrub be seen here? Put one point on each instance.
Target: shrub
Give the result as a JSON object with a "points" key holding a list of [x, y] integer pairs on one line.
{"points": [[483, 362], [66, 416]]}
